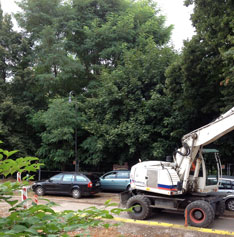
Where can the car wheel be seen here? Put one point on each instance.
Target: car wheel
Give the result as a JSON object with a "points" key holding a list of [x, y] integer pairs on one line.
{"points": [[140, 207], [76, 193], [40, 191], [230, 204], [200, 213]]}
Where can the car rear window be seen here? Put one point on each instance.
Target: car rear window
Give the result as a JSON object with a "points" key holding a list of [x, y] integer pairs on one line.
{"points": [[80, 178], [123, 175], [232, 184]]}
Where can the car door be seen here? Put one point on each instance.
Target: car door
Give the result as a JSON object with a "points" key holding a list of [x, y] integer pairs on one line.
{"points": [[52, 184], [225, 185], [122, 180], [66, 183], [232, 183], [81, 182], [108, 181]]}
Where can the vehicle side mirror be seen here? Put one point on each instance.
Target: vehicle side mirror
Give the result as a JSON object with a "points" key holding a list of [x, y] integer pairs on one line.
{"points": [[50, 180]]}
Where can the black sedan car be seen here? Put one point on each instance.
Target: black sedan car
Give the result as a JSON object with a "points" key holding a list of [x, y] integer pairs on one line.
{"points": [[75, 184]]}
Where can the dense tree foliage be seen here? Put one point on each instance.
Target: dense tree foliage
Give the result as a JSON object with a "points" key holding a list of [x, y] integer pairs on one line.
{"points": [[127, 117], [58, 123], [201, 82], [40, 219], [9, 47], [134, 96], [93, 39], [214, 25], [14, 129]]}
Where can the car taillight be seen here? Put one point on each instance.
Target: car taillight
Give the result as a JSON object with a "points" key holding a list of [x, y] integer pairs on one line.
{"points": [[90, 185]]}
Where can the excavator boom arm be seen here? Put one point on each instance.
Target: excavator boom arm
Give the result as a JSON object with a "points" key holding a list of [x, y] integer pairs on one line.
{"points": [[212, 131], [193, 141]]}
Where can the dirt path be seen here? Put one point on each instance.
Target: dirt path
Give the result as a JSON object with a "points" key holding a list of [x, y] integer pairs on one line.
{"points": [[124, 229]]}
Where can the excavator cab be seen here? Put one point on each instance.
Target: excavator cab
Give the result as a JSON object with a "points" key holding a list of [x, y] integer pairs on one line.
{"points": [[207, 179], [213, 166]]}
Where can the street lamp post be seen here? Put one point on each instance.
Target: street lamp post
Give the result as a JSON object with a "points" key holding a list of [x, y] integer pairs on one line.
{"points": [[76, 153]]}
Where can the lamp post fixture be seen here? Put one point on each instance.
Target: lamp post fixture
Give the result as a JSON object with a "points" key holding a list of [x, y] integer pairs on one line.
{"points": [[76, 153]]}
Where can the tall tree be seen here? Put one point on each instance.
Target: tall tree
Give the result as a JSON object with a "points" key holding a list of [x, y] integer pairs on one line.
{"points": [[101, 30], [59, 123], [14, 130], [202, 78], [74, 42], [56, 69], [213, 21], [9, 47], [126, 115]]}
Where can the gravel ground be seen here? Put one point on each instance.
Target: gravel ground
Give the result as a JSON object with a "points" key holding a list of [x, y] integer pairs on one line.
{"points": [[136, 230]]}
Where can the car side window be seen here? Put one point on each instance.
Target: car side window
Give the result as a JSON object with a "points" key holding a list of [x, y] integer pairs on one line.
{"points": [[123, 175], [225, 184], [110, 176], [80, 178], [232, 183], [56, 177], [68, 178]]}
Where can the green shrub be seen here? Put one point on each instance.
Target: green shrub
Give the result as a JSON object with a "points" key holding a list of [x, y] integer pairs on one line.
{"points": [[41, 220]]}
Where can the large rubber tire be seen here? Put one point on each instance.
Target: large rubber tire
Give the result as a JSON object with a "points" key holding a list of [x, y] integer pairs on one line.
{"points": [[230, 204], [40, 191], [140, 207], [76, 193], [220, 208], [200, 213]]}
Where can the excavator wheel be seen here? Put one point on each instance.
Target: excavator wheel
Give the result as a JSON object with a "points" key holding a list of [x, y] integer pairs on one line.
{"points": [[140, 207], [220, 208], [200, 213]]}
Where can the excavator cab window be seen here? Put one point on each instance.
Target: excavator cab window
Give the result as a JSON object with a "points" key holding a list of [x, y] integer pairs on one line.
{"points": [[192, 169], [212, 166]]}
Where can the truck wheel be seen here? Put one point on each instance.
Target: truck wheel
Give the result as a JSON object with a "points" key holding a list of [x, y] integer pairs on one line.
{"points": [[230, 204], [200, 213], [140, 207], [220, 208]]}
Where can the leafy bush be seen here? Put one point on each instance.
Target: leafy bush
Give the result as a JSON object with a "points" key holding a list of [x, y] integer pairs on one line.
{"points": [[41, 220]]}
